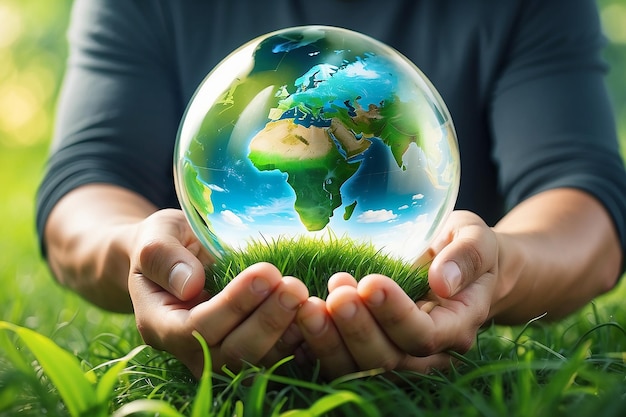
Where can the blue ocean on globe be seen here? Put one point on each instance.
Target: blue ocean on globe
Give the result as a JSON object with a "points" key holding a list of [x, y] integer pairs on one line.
{"points": [[317, 131]]}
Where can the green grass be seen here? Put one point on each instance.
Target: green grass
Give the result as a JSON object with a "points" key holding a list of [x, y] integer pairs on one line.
{"points": [[314, 260], [572, 367], [531, 371], [60, 356]]}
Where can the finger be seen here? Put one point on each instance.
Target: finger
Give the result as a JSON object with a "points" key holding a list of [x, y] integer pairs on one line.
{"points": [[426, 328], [323, 341], [366, 341], [168, 255], [341, 278], [469, 251], [256, 337], [163, 322], [410, 328], [154, 317], [216, 318]]}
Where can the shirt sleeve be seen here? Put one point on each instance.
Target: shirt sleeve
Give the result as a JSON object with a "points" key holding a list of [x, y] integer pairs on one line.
{"points": [[551, 118], [119, 109]]}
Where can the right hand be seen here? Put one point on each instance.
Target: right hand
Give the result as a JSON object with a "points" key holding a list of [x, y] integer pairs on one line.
{"points": [[249, 321], [373, 323]]}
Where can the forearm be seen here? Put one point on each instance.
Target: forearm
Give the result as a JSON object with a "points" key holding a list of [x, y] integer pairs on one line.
{"points": [[88, 238], [557, 251]]}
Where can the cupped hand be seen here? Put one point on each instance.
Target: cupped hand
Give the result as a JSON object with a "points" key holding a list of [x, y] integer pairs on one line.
{"points": [[374, 324], [248, 321]]}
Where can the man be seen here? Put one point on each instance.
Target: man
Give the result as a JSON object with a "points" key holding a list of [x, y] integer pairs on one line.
{"points": [[539, 226]]}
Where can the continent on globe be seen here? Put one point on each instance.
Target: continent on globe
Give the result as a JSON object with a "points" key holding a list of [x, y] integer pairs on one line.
{"points": [[318, 134], [315, 167]]}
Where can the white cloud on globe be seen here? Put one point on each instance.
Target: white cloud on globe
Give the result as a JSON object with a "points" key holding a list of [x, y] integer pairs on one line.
{"points": [[376, 216], [232, 219]]}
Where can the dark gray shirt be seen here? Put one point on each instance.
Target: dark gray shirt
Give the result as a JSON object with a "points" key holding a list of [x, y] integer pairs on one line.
{"points": [[523, 81]]}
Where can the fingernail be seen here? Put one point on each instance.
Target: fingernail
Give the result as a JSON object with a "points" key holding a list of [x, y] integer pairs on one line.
{"points": [[346, 310], [259, 285], [179, 276], [288, 301], [314, 324], [376, 298], [452, 276]]}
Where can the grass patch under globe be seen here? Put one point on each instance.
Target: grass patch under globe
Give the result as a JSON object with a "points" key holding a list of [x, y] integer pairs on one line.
{"points": [[313, 261]]}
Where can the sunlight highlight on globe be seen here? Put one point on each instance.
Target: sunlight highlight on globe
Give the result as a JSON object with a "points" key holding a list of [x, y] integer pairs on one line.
{"points": [[317, 131]]}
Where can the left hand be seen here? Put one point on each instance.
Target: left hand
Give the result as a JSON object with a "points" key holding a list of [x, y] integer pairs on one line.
{"points": [[247, 322], [374, 324]]}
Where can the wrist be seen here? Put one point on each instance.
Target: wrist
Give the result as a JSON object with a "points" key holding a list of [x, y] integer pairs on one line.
{"points": [[512, 260], [89, 237], [106, 259]]}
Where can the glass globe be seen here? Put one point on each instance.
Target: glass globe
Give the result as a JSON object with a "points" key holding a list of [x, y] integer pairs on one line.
{"points": [[317, 131]]}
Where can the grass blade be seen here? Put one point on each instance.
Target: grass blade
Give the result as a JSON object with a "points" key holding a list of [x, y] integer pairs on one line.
{"points": [[7, 396], [204, 398], [331, 401], [258, 392], [61, 367], [109, 379], [156, 407], [14, 356]]}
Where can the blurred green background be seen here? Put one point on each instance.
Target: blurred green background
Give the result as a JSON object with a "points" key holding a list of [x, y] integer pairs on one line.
{"points": [[32, 57]]}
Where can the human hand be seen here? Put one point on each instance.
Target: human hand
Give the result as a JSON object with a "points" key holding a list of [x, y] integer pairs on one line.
{"points": [[249, 320], [374, 324]]}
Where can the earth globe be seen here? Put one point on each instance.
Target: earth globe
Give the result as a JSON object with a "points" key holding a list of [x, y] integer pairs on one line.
{"points": [[317, 132]]}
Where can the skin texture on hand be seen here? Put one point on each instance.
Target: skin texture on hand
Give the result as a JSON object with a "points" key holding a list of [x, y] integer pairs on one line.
{"points": [[243, 323], [552, 253], [537, 260], [374, 324], [120, 246]]}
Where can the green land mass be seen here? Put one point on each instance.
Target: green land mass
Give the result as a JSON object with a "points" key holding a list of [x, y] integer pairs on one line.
{"points": [[315, 168]]}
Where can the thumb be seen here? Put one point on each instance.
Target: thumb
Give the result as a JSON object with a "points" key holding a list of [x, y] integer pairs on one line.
{"points": [[467, 251], [168, 254]]}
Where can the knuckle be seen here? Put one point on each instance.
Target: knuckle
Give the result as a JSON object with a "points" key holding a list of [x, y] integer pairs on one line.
{"points": [[473, 256], [397, 318], [152, 260], [149, 251], [426, 347], [238, 306], [271, 324], [358, 333]]}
